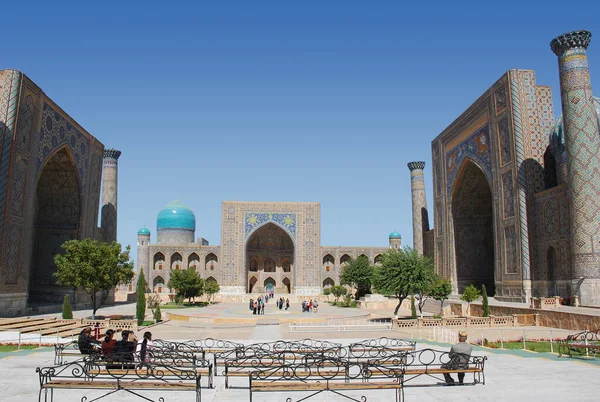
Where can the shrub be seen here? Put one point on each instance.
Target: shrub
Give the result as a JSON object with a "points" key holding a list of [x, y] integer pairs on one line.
{"points": [[327, 291], [140, 307], [413, 308], [67, 311], [485, 305], [156, 313]]}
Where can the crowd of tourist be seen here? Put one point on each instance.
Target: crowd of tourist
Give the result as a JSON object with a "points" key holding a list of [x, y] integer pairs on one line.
{"points": [[310, 306], [258, 306], [124, 348]]}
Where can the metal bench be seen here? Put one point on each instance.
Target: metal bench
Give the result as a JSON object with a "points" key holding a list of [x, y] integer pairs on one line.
{"points": [[585, 342]]}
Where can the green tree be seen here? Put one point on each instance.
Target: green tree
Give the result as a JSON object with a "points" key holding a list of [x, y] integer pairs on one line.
{"points": [[327, 291], [413, 308], [338, 291], [211, 288], [484, 302], [400, 273], [153, 303], [96, 267], [67, 311], [470, 294], [357, 273], [140, 307], [187, 283], [440, 291], [423, 281]]}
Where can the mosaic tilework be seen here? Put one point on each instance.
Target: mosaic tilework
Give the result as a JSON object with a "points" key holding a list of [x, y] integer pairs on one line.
{"points": [[477, 148], [510, 247], [56, 131], [582, 137], [505, 141], [10, 84], [500, 99], [550, 218], [508, 195], [11, 250], [256, 220], [420, 223]]}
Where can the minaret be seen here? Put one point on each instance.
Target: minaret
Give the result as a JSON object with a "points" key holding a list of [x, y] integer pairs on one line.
{"points": [[143, 254], [582, 140], [108, 220], [395, 240], [419, 204]]}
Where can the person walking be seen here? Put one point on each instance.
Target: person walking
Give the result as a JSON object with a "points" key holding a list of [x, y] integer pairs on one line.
{"points": [[287, 303]]}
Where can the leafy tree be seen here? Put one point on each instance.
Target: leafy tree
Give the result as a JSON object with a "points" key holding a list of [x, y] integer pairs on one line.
{"points": [[484, 302], [327, 291], [413, 308], [400, 273], [470, 294], [338, 291], [153, 303], [211, 288], [67, 311], [96, 267], [140, 307], [440, 291], [423, 281], [357, 273], [187, 283]]}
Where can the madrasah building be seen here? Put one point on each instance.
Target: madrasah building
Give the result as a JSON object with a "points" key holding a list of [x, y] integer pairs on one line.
{"points": [[264, 246]]}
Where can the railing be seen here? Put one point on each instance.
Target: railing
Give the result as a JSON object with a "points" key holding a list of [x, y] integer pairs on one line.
{"points": [[342, 325], [493, 321]]}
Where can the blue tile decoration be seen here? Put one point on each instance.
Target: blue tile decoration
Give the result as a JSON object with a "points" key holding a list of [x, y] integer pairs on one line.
{"points": [[253, 221], [476, 148]]}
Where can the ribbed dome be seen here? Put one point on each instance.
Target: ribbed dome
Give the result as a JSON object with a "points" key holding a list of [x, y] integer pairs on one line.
{"points": [[175, 215], [395, 235], [144, 231], [557, 137]]}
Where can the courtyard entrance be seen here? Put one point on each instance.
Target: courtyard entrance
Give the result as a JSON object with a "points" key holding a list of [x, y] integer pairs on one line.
{"points": [[269, 260], [473, 228]]}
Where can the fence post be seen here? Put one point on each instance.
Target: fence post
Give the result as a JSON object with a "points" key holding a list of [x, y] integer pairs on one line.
{"points": [[482, 339], [19, 342], [40, 338], [551, 347], [57, 336], [524, 345], [501, 340]]}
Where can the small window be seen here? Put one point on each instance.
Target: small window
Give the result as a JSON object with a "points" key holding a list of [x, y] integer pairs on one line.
{"points": [[160, 289], [176, 266], [159, 266], [212, 267], [130, 287], [327, 268]]}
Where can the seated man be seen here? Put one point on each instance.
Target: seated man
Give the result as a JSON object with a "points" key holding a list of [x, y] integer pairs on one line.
{"points": [[459, 358], [86, 342]]}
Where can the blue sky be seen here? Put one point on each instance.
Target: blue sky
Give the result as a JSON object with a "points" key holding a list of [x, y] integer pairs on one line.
{"points": [[280, 100]]}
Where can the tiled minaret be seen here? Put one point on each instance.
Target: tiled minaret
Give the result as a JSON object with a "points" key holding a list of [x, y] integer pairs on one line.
{"points": [[108, 220], [582, 140], [420, 218]]}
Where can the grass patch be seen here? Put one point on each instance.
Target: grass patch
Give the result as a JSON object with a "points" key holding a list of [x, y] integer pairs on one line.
{"points": [[342, 304], [12, 348], [542, 347], [173, 305], [146, 323]]}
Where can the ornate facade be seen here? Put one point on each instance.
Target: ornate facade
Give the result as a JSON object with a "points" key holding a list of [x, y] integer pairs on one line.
{"points": [[270, 245], [50, 174], [516, 194]]}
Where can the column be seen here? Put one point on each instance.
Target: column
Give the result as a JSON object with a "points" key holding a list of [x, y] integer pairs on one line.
{"points": [[582, 140], [420, 218], [108, 220]]}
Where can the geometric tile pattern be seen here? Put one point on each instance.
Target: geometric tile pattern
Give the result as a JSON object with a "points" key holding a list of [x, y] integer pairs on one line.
{"points": [[256, 220], [477, 148], [508, 195], [505, 143], [582, 137], [510, 241]]}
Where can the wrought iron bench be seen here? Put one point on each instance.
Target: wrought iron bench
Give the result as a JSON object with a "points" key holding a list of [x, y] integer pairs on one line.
{"points": [[363, 348], [586, 342], [430, 364], [327, 375], [94, 374], [68, 349]]}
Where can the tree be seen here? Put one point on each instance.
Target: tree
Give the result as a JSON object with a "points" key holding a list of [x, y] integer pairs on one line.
{"points": [[211, 288], [140, 307], [423, 281], [413, 308], [67, 312], [187, 283], [327, 291], [357, 273], [96, 267], [440, 291], [338, 291], [400, 273], [470, 294], [153, 303], [484, 302]]}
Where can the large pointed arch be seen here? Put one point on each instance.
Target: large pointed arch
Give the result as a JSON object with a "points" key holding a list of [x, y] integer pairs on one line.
{"points": [[58, 211], [473, 221]]}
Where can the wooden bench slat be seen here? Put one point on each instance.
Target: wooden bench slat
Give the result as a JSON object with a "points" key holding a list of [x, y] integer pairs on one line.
{"points": [[74, 384], [315, 386]]}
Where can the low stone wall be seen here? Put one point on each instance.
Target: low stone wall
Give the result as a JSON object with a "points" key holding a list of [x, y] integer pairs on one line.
{"points": [[493, 321], [545, 318]]}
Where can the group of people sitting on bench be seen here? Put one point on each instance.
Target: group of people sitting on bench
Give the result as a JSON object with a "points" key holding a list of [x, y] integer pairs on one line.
{"points": [[124, 348]]}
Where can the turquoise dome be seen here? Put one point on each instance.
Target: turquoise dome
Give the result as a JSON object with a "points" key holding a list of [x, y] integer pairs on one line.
{"points": [[557, 136], [395, 235], [175, 215], [144, 231]]}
